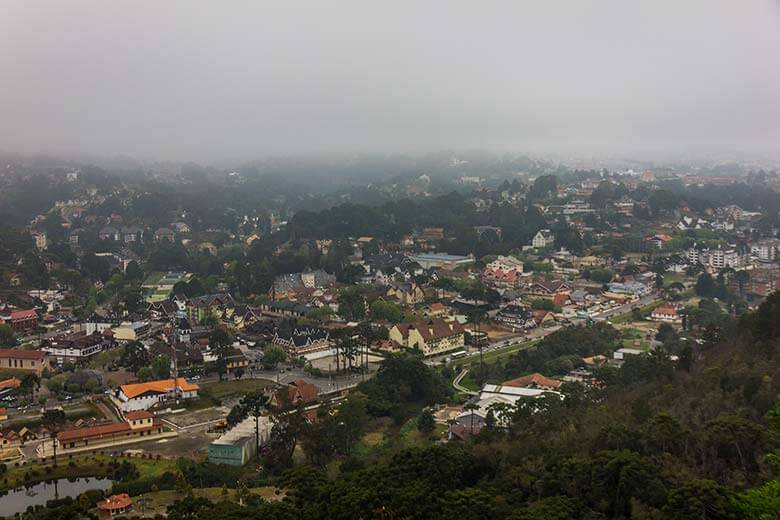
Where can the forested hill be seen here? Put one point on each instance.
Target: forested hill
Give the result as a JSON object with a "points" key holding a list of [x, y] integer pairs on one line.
{"points": [[699, 442]]}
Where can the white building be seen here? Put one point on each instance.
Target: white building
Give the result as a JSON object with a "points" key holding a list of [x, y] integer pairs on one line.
{"points": [[492, 395], [622, 353], [41, 242], [543, 238], [142, 396], [716, 258], [505, 263], [766, 250]]}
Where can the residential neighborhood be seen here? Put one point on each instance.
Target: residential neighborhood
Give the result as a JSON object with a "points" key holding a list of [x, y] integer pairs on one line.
{"points": [[390, 261]]}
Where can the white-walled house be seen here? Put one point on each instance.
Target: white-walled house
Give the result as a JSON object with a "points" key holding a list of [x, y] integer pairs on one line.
{"points": [[142, 396]]}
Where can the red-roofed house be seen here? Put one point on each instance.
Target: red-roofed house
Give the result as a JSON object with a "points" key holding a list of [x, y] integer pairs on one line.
{"points": [[658, 241], [560, 299], [666, 314], [138, 425], [535, 380], [297, 392], [142, 396], [115, 505], [21, 321], [501, 278]]}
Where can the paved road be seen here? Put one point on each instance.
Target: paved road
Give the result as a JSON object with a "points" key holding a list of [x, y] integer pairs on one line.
{"points": [[458, 386]]}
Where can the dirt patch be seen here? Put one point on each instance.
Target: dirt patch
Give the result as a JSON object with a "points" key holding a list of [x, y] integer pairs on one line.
{"points": [[185, 419]]}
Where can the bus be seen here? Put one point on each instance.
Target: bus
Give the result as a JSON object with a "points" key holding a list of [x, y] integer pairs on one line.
{"points": [[458, 354]]}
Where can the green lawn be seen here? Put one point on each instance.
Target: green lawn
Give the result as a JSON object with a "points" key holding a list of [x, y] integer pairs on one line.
{"points": [[80, 466], [468, 382], [643, 344], [158, 501], [384, 438], [153, 279], [491, 357], [670, 278], [644, 310], [105, 358], [222, 389]]}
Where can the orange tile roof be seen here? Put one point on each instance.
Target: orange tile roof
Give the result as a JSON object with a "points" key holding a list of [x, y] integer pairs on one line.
{"points": [[113, 502], [10, 383], [163, 386], [137, 415]]}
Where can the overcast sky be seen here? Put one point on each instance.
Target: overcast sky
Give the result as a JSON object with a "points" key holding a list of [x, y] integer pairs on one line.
{"points": [[216, 81]]}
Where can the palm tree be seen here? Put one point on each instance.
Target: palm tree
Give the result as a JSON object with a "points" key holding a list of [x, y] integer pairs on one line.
{"points": [[256, 404], [476, 317], [52, 420]]}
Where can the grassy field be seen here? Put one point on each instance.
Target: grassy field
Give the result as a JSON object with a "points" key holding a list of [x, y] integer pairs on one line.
{"points": [[153, 279], [491, 357], [644, 310], [79, 466], [222, 389], [384, 438], [670, 278], [158, 501]]}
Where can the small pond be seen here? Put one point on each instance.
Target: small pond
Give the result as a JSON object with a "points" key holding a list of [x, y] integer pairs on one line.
{"points": [[19, 499]]}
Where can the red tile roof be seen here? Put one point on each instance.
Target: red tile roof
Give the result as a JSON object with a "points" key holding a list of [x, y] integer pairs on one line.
{"points": [[534, 379], [21, 354], [24, 315], [138, 415], [101, 430], [10, 383], [93, 431], [115, 502]]}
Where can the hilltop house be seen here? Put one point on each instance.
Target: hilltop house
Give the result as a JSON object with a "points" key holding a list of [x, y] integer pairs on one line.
{"points": [[408, 293], [666, 314], [543, 238]]}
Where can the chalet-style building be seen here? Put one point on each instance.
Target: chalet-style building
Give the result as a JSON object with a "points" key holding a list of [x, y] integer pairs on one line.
{"points": [[433, 336], [297, 392], [516, 316], [543, 238], [547, 288], [408, 293], [303, 339]]}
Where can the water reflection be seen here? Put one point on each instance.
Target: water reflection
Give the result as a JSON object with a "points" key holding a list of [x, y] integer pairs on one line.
{"points": [[19, 499]]}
